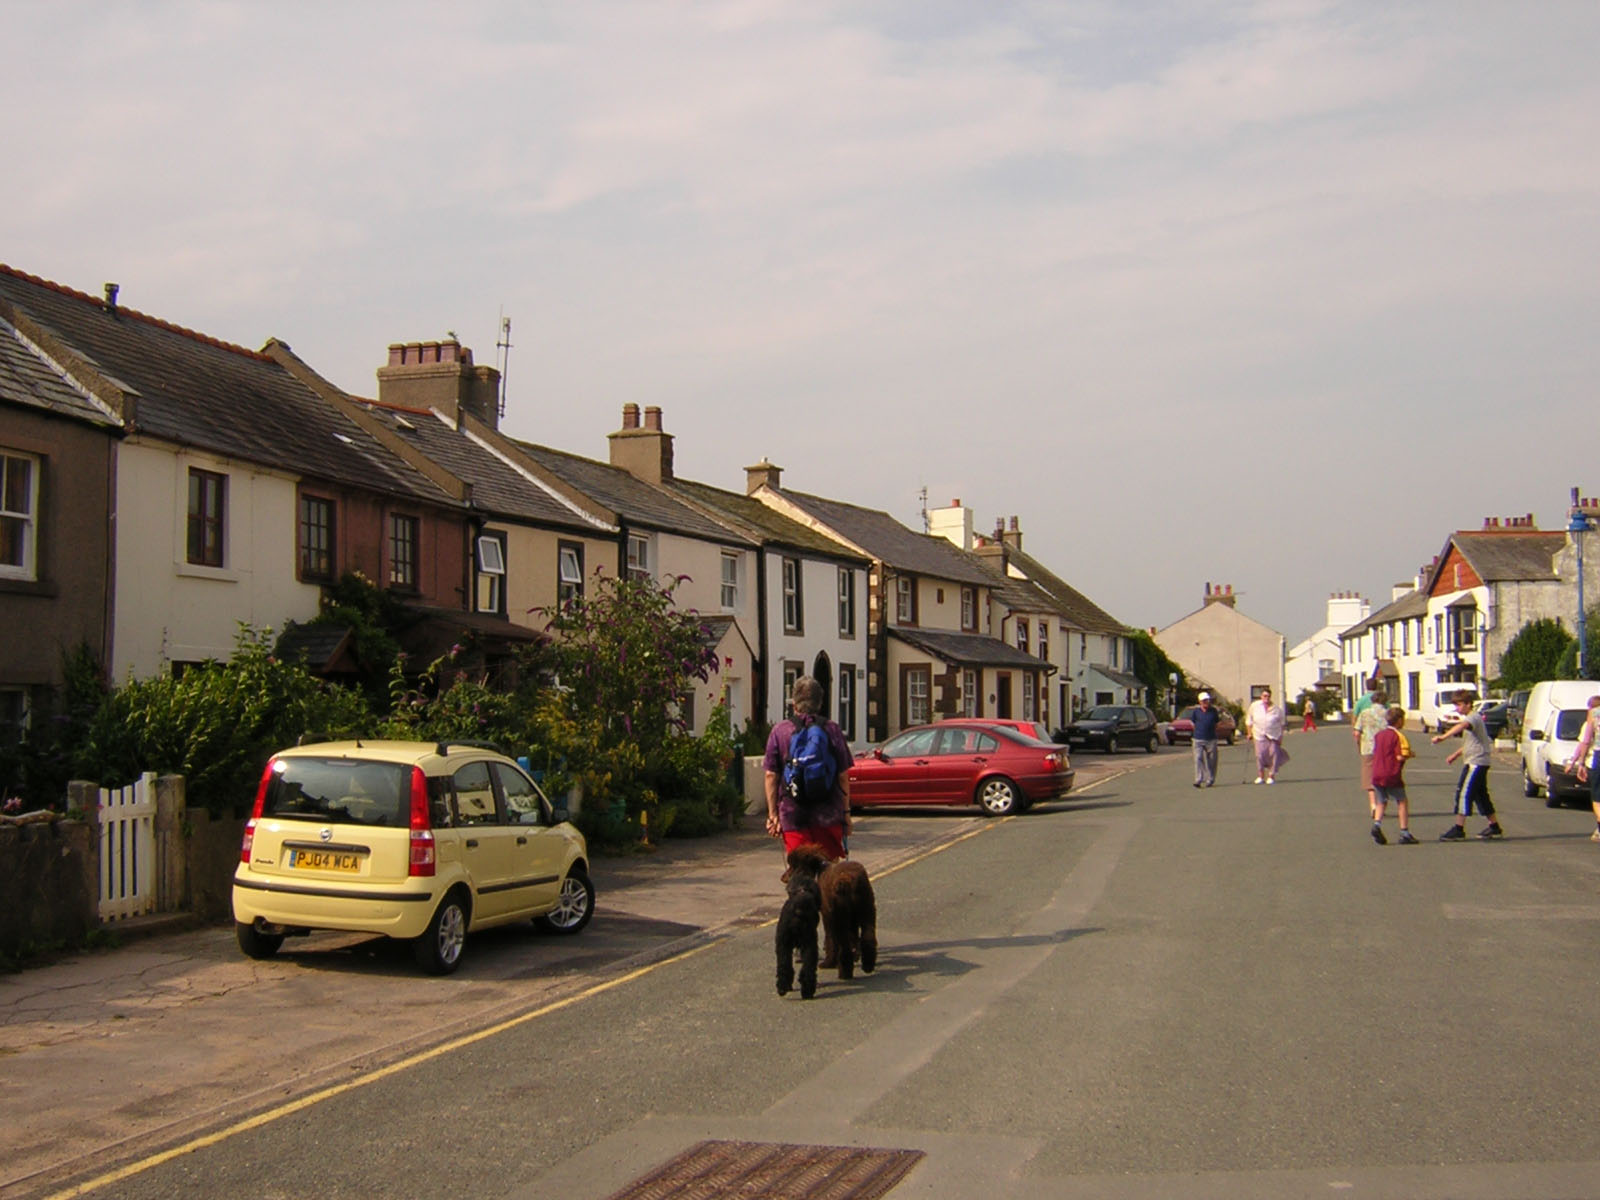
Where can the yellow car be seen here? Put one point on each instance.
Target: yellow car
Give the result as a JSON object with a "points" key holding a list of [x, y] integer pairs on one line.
{"points": [[417, 840]]}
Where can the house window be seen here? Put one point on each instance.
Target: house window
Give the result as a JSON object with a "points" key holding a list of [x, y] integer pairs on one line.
{"points": [[1044, 639], [19, 516], [847, 701], [847, 602], [730, 580], [1467, 629], [791, 672], [969, 692], [490, 592], [638, 556], [569, 572], [403, 538], [1111, 652], [793, 619], [969, 608], [916, 689], [316, 538], [905, 599], [208, 503], [1027, 698], [1022, 634], [13, 715]]}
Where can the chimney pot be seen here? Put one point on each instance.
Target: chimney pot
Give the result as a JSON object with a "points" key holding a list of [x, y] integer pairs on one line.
{"points": [[652, 417], [111, 296], [630, 416]]}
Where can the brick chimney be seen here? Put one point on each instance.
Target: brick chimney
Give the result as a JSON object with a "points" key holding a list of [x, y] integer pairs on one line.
{"points": [[440, 375], [645, 453], [1013, 534], [762, 475], [1221, 594]]}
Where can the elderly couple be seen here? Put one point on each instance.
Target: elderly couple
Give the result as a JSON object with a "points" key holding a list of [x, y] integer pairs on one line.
{"points": [[1263, 723]]}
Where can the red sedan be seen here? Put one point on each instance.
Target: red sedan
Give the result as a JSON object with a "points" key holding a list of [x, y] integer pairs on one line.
{"points": [[1000, 769]]}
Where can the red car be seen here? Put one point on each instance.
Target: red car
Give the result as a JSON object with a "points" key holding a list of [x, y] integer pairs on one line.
{"points": [[1000, 769], [1181, 728]]}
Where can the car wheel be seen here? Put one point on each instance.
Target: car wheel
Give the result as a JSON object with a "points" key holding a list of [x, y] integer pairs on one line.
{"points": [[574, 907], [1153, 743], [254, 943], [439, 948], [1111, 745], [998, 797], [1529, 787]]}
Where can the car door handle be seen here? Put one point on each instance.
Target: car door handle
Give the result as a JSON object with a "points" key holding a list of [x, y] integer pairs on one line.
{"points": [[521, 840], [471, 842]]}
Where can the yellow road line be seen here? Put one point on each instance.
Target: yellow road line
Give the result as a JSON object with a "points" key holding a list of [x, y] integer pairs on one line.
{"points": [[394, 1068]]}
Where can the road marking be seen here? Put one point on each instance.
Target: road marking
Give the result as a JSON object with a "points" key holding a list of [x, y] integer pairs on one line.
{"points": [[313, 1098], [1536, 912]]}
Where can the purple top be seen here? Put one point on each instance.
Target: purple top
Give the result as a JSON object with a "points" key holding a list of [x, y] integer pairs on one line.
{"points": [[790, 817]]}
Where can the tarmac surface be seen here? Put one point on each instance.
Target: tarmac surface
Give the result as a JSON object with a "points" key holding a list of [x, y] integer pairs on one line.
{"points": [[111, 1053]]}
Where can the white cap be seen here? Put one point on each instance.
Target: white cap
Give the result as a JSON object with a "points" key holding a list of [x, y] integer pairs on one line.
{"points": [[1205, 696]]}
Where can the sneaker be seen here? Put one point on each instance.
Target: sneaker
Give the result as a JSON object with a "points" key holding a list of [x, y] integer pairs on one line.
{"points": [[1272, 781], [1491, 830], [1196, 783], [1406, 839], [1377, 834], [1259, 779], [1454, 834], [1595, 836]]}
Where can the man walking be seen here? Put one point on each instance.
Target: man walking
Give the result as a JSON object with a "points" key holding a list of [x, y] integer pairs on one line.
{"points": [[1205, 743], [1264, 723]]}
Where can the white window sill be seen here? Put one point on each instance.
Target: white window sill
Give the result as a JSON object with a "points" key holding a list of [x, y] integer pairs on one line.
{"points": [[219, 574]]}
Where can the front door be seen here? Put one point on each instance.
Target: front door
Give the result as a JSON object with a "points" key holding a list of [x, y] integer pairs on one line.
{"points": [[1002, 694], [822, 672]]}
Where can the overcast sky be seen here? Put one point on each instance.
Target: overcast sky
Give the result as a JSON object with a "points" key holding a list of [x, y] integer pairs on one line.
{"points": [[1270, 294]]}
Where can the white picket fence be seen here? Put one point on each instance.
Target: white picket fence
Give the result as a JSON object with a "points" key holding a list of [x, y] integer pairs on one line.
{"points": [[128, 849]]}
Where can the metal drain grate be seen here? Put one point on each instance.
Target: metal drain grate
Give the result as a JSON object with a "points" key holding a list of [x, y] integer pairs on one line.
{"points": [[766, 1171]]}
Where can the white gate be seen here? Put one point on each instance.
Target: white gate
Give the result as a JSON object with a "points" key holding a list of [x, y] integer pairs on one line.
{"points": [[128, 849]]}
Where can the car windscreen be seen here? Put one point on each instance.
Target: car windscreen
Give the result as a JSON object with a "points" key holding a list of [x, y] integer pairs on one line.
{"points": [[1099, 714], [344, 790], [1569, 724]]}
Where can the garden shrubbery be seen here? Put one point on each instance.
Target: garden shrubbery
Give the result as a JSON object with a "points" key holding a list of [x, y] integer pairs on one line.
{"points": [[597, 710]]}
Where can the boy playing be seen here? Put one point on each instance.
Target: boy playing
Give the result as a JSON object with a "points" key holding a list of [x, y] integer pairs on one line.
{"points": [[1389, 753], [1473, 787]]}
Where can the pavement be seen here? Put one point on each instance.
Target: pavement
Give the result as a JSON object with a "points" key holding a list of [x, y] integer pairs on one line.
{"points": [[112, 1053]]}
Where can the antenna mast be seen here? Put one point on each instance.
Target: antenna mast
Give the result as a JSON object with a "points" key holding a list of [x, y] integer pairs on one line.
{"points": [[503, 354], [922, 501]]}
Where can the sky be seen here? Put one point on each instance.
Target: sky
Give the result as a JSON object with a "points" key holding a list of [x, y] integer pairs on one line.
{"points": [[1273, 295]]}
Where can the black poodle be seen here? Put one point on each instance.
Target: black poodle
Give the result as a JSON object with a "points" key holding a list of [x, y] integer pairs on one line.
{"points": [[797, 923]]}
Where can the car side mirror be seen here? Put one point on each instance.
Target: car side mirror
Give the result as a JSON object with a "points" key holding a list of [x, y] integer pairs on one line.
{"points": [[559, 814], [877, 753], [1536, 735]]}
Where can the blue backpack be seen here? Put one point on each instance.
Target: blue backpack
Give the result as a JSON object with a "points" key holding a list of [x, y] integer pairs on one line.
{"points": [[809, 771]]}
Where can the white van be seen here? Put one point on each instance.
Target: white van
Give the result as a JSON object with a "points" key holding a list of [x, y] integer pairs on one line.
{"points": [[1546, 697], [1438, 711]]}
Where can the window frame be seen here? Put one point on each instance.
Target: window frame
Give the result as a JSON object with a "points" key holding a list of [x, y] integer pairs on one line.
{"points": [[791, 581], [728, 595], [569, 589], [914, 698], [847, 701], [905, 599], [969, 608], [971, 705], [638, 556], [328, 528], [27, 566], [206, 528], [487, 575], [847, 602], [405, 569]]}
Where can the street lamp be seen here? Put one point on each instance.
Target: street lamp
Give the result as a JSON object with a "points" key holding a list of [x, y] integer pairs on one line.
{"points": [[1577, 526], [1172, 678]]}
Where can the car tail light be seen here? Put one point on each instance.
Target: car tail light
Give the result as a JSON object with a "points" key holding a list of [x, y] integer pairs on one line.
{"points": [[249, 839], [422, 859]]}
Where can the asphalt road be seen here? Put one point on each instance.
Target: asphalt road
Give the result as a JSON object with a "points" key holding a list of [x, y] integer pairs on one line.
{"points": [[1151, 991]]}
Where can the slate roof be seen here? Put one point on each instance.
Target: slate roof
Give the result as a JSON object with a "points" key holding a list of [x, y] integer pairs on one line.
{"points": [[1505, 557], [1412, 604], [197, 391], [969, 649], [640, 503], [497, 487], [1018, 595], [765, 524], [886, 539], [28, 377], [1081, 612]]}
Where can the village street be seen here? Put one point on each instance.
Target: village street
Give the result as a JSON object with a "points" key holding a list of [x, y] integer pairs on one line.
{"points": [[1143, 991]]}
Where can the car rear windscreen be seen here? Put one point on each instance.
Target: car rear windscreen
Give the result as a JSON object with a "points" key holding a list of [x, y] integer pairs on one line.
{"points": [[340, 789]]}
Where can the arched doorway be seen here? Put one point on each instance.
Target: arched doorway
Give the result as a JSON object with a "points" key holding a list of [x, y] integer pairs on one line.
{"points": [[822, 672]]}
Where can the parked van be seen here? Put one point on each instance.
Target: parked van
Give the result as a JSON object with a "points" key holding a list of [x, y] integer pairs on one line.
{"points": [[1438, 711], [1544, 698]]}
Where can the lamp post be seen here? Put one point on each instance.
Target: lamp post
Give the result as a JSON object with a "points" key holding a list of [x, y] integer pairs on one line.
{"points": [[1172, 678], [1577, 526]]}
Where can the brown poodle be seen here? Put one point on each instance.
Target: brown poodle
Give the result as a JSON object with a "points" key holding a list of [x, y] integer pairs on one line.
{"points": [[797, 923], [849, 918]]}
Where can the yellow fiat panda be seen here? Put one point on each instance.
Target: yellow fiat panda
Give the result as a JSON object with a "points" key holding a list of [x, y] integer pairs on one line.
{"points": [[417, 840]]}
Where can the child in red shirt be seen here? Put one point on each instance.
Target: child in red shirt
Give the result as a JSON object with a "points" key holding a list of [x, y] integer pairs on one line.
{"points": [[1389, 753]]}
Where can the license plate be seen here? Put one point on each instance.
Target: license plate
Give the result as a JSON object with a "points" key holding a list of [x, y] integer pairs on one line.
{"points": [[325, 860]]}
